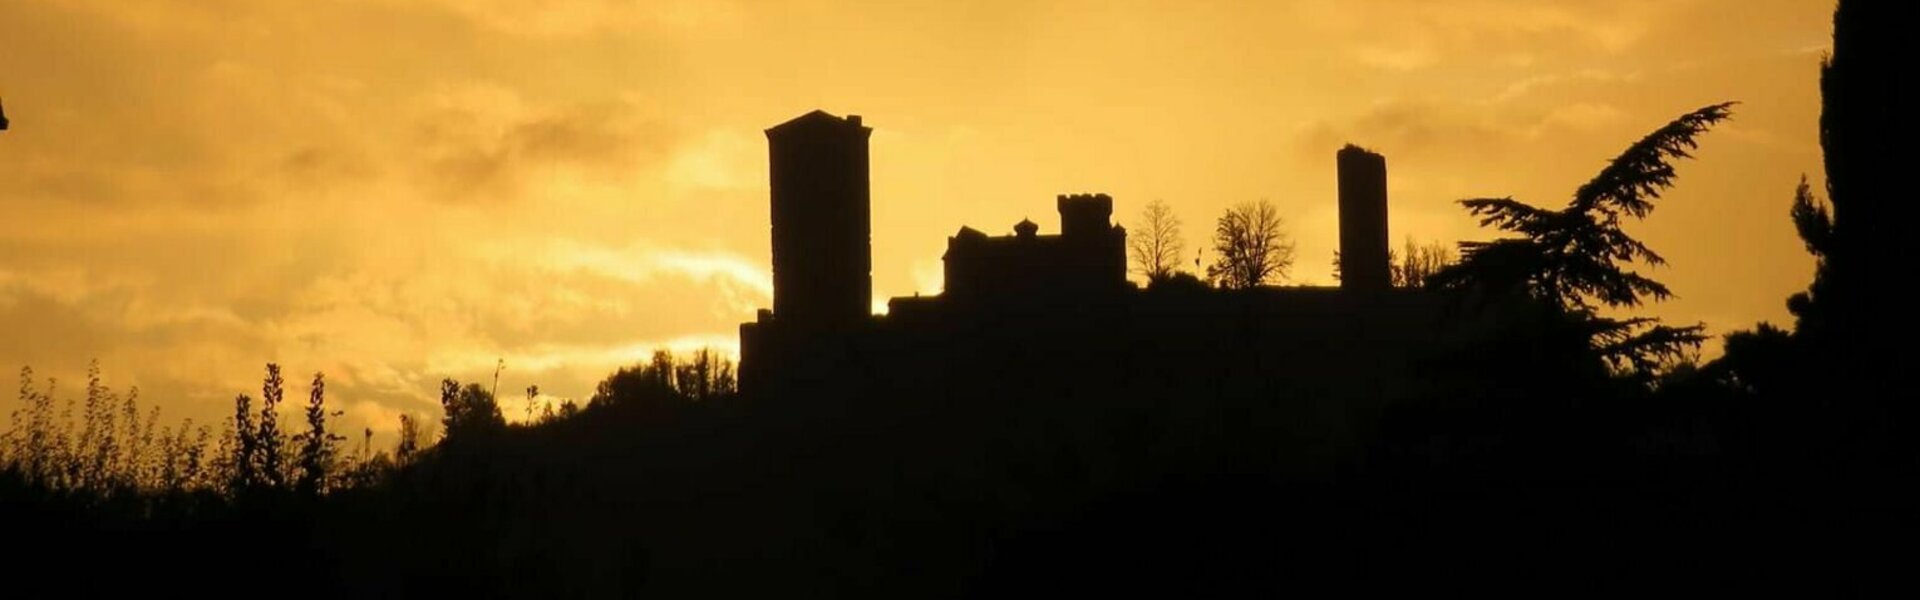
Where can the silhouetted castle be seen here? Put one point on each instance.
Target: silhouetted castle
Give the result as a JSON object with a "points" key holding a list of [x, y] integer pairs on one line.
{"points": [[1089, 256], [1032, 313]]}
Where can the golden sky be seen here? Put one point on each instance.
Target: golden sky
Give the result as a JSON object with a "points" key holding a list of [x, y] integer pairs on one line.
{"points": [[395, 191]]}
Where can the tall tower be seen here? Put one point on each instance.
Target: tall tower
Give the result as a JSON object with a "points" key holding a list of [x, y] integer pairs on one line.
{"points": [[1363, 220], [822, 236]]}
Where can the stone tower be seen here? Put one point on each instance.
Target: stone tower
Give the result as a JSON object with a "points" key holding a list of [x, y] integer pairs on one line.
{"points": [[822, 237], [1363, 220]]}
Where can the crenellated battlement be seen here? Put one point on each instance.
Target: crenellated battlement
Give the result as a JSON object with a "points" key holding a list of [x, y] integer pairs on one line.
{"points": [[1083, 214]]}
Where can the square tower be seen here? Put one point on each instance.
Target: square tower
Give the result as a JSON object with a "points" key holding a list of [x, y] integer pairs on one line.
{"points": [[1363, 220], [822, 235]]}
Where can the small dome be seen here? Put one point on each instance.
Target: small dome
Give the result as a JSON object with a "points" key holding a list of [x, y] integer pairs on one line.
{"points": [[1025, 228]]}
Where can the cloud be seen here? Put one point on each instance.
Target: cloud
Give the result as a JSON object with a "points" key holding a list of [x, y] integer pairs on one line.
{"points": [[487, 142], [1415, 130], [586, 17], [1404, 35], [1560, 84], [1580, 116]]}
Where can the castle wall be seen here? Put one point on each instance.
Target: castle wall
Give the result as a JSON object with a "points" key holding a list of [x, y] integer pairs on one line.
{"points": [[1089, 256]]}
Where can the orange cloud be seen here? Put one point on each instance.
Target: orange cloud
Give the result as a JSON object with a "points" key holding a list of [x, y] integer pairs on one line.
{"points": [[396, 192]]}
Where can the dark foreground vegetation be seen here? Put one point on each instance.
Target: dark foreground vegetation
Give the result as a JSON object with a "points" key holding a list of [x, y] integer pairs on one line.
{"points": [[1576, 452]]}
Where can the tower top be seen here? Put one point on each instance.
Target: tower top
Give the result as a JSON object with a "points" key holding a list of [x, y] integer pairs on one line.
{"points": [[819, 119], [822, 256]]}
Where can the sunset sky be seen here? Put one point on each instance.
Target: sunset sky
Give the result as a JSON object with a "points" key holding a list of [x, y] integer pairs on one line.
{"points": [[396, 191]]}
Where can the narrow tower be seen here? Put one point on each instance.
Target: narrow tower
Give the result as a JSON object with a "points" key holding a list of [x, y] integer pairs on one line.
{"points": [[1363, 220], [822, 261]]}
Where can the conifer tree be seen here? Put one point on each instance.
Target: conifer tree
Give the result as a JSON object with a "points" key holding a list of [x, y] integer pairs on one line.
{"points": [[1577, 260]]}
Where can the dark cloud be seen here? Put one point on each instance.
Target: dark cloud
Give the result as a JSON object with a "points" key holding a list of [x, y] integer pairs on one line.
{"points": [[1417, 132], [37, 326], [471, 153]]}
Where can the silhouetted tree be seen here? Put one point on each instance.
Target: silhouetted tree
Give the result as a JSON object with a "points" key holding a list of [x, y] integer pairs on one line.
{"points": [[1764, 360], [1411, 265], [179, 464], [661, 369], [1857, 234], [1416, 262], [470, 410], [1180, 282], [137, 454], [1155, 242], [167, 459], [1251, 247], [1756, 361], [198, 472], [452, 412], [409, 444], [547, 413], [36, 445], [97, 442], [1862, 88], [706, 375], [245, 446], [271, 440], [649, 383], [1849, 331], [689, 380], [1575, 259], [318, 445]]}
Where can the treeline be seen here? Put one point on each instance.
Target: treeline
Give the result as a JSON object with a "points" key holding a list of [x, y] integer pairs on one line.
{"points": [[111, 448], [258, 502], [108, 446]]}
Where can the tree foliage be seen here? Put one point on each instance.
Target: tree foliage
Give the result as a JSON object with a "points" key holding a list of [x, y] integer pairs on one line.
{"points": [[1156, 245], [318, 444], [469, 410], [1578, 259], [1412, 264], [1847, 325], [665, 379], [270, 440], [1859, 230], [1416, 262], [244, 447], [1250, 247], [410, 436]]}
